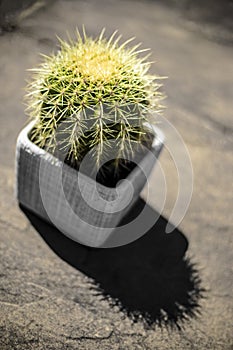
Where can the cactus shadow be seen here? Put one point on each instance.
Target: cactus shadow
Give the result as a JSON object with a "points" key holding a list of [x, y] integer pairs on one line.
{"points": [[150, 279]]}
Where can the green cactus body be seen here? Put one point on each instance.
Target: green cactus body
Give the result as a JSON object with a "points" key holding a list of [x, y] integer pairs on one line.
{"points": [[90, 92]]}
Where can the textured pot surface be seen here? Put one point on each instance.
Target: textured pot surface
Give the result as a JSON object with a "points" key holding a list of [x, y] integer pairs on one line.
{"points": [[79, 207]]}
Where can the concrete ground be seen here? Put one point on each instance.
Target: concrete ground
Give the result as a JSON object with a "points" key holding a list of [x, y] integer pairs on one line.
{"points": [[162, 291]]}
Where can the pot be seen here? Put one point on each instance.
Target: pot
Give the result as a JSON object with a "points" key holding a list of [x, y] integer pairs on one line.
{"points": [[81, 208]]}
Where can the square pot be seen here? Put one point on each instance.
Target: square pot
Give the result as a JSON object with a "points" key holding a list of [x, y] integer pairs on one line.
{"points": [[78, 206]]}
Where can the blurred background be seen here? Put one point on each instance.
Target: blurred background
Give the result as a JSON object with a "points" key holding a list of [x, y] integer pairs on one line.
{"points": [[191, 44]]}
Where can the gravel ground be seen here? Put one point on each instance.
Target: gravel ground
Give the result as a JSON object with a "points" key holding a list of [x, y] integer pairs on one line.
{"points": [[162, 291]]}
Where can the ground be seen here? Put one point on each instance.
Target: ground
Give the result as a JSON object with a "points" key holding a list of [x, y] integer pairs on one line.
{"points": [[164, 291]]}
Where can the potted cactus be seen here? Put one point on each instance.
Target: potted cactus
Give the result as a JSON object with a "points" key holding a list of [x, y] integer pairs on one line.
{"points": [[90, 145]]}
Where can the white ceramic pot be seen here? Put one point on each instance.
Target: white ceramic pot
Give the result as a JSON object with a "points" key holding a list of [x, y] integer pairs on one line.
{"points": [[83, 210]]}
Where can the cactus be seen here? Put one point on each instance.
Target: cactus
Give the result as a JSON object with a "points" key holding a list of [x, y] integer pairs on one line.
{"points": [[91, 91]]}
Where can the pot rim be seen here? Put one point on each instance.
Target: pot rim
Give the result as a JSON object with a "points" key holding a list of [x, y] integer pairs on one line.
{"points": [[23, 138]]}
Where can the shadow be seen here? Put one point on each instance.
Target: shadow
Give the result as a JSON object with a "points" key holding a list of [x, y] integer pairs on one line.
{"points": [[149, 279]]}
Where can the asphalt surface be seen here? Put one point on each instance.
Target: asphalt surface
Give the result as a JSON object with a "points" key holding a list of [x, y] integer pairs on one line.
{"points": [[164, 291]]}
